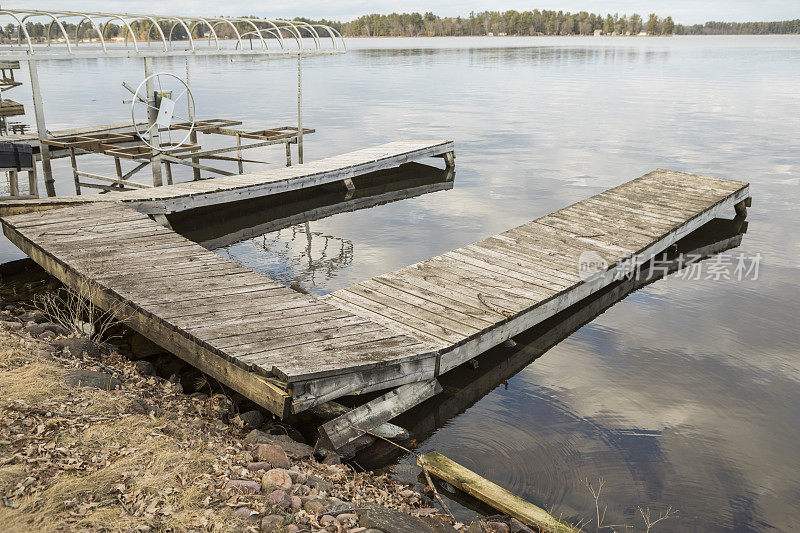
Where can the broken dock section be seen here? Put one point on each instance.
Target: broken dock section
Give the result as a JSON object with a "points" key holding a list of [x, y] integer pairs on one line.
{"points": [[395, 333]]}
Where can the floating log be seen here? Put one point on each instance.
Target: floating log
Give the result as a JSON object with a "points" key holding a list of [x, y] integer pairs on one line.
{"points": [[492, 494]]}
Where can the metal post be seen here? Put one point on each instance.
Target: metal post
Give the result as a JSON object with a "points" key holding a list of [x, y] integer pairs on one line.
{"points": [[193, 134], [152, 115], [38, 111], [299, 108]]}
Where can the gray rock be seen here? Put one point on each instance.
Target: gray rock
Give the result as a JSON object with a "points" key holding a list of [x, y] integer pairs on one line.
{"points": [[315, 506], [332, 459], [34, 315], [253, 418], [374, 516], [10, 324], [145, 368], [58, 329], [244, 486], [518, 527], [271, 454], [279, 498], [261, 465], [318, 483], [271, 523], [78, 346], [498, 527], [293, 449], [297, 503], [276, 479], [90, 378], [247, 514]]}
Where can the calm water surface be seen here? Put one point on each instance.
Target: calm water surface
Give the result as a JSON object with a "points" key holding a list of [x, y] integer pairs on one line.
{"points": [[684, 394]]}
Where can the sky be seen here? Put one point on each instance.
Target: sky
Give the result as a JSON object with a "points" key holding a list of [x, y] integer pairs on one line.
{"points": [[683, 11]]}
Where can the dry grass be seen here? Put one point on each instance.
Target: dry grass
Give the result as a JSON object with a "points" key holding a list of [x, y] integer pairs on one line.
{"points": [[93, 464]]}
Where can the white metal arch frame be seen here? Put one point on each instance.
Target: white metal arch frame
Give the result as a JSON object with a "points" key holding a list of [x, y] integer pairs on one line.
{"points": [[309, 39]]}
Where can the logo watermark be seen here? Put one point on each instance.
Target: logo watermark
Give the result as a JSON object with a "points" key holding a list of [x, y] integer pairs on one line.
{"points": [[720, 267], [591, 264]]}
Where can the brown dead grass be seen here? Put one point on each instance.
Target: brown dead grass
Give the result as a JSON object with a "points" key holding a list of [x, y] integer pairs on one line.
{"points": [[99, 466]]}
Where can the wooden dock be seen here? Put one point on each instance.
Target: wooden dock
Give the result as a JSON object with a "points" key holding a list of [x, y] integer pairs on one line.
{"points": [[397, 332], [196, 194]]}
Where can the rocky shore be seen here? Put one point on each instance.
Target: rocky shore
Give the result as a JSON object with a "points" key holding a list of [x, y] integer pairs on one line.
{"points": [[91, 440]]}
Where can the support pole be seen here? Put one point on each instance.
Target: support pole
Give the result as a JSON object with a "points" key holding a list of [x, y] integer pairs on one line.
{"points": [[33, 184], [239, 153], [288, 154], [152, 115], [193, 134], [75, 174], [38, 111], [299, 108]]}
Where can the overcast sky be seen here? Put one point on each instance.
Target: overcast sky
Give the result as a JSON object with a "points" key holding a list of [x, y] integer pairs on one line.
{"points": [[683, 11]]}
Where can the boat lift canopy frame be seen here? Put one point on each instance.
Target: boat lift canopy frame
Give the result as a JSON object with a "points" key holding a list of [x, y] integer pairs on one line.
{"points": [[167, 36]]}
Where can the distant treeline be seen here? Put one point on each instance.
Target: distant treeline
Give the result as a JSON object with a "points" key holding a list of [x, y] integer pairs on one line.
{"points": [[536, 22], [740, 28], [542, 22]]}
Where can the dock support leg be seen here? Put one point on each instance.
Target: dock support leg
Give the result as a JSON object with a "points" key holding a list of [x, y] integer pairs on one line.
{"points": [[152, 115], [38, 111], [351, 188], [13, 183], [741, 207], [75, 175], [118, 167], [161, 219], [168, 171], [33, 183], [299, 108], [288, 154], [239, 153], [348, 427], [450, 159], [193, 134]]}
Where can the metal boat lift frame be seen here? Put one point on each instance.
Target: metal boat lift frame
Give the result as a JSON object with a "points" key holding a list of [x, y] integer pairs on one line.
{"points": [[257, 38]]}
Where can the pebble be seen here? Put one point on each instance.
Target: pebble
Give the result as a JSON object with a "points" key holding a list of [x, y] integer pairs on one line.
{"points": [[145, 368], [279, 498], [345, 517], [244, 486], [498, 527], [332, 459], [297, 503], [328, 520], [246, 513], [271, 523], [272, 454], [253, 418], [261, 465], [519, 527], [276, 479], [314, 507], [291, 528]]}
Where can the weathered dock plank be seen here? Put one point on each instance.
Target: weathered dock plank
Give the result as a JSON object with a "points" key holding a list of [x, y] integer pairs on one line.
{"points": [[288, 351], [529, 273], [173, 295], [196, 194]]}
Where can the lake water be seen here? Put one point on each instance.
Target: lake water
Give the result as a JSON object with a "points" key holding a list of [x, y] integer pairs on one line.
{"points": [[684, 394]]}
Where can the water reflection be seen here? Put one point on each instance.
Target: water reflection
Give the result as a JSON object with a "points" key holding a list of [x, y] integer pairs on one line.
{"points": [[706, 373], [584, 444], [277, 228]]}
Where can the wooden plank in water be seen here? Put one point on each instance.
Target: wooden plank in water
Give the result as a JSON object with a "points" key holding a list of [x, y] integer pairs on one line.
{"points": [[347, 427], [490, 493]]}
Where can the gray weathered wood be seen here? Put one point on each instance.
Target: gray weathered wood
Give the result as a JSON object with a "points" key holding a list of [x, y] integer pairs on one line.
{"points": [[345, 428]]}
